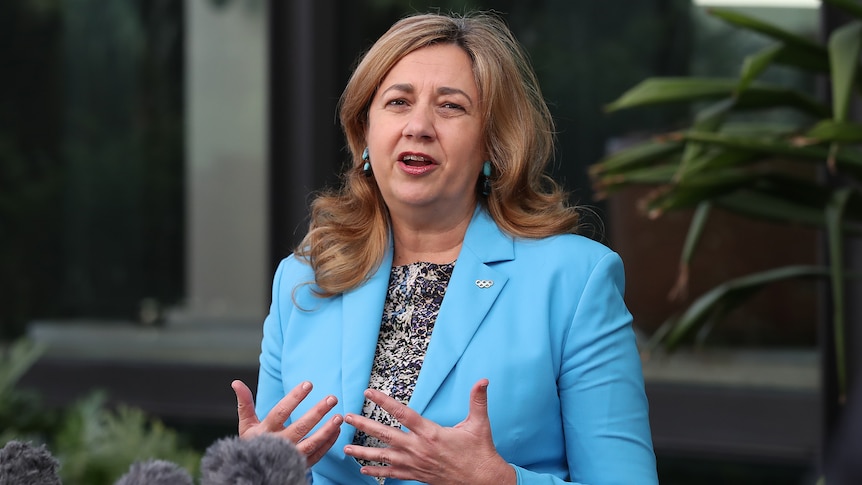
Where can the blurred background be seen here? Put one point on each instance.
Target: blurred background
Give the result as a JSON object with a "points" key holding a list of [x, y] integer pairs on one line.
{"points": [[156, 162]]}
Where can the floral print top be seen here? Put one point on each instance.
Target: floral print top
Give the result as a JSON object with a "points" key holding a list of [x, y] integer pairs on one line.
{"points": [[412, 302]]}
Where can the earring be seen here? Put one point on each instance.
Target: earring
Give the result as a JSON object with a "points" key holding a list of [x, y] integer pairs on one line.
{"points": [[366, 168], [486, 183]]}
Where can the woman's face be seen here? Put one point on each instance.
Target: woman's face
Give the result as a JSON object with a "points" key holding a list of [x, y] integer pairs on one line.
{"points": [[425, 133]]}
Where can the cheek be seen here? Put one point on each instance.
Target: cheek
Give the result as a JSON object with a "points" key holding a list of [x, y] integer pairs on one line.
{"points": [[380, 122], [371, 129]]}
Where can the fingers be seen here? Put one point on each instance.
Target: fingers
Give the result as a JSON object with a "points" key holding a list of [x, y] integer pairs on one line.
{"points": [[303, 425], [368, 453], [274, 421], [388, 435], [316, 445], [403, 414], [244, 406], [428, 452]]}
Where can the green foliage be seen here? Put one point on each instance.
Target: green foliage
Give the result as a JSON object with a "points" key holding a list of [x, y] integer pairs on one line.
{"points": [[21, 412], [734, 156], [15, 359], [94, 443]]}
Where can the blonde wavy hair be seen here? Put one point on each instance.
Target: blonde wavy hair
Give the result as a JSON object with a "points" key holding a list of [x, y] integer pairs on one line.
{"points": [[349, 229]]}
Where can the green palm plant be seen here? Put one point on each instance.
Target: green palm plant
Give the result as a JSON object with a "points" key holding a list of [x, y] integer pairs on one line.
{"points": [[734, 156]]}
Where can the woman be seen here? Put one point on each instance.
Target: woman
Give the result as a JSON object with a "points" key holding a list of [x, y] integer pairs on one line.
{"points": [[454, 328]]}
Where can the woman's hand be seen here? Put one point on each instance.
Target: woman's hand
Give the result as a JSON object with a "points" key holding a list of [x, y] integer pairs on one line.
{"points": [[313, 446], [430, 453]]}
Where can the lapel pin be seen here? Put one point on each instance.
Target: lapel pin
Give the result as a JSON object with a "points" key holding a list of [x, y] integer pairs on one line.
{"points": [[484, 283]]}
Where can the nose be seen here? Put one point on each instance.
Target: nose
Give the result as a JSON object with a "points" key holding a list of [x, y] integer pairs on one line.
{"points": [[420, 124]]}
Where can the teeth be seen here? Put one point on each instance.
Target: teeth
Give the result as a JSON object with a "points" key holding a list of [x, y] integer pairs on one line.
{"points": [[414, 158]]}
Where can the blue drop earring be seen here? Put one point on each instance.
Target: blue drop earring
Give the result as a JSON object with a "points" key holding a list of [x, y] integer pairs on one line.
{"points": [[366, 167], [486, 182]]}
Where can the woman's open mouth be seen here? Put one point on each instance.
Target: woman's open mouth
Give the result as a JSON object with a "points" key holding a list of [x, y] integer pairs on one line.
{"points": [[415, 164]]}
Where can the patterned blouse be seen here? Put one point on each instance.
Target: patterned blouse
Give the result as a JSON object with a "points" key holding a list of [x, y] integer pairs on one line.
{"points": [[412, 302]]}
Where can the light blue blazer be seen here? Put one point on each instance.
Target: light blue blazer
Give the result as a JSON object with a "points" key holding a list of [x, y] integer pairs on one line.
{"points": [[552, 334]]}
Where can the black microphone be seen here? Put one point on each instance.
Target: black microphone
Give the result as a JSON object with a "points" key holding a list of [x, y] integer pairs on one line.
{"points": [[155, 472], [262, 460], [25, 464]]}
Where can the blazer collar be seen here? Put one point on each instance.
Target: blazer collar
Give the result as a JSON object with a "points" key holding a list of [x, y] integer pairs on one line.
{"points": [[465, 305], [468, 299], [362, 313]]}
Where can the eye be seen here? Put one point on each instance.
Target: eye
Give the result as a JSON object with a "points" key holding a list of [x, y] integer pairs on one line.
{"points": [[396, 105], [453, 106]]}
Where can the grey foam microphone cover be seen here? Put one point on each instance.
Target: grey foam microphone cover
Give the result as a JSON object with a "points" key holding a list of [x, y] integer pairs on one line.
{"points": [[22, 463], [262, 460], [155, 472]]}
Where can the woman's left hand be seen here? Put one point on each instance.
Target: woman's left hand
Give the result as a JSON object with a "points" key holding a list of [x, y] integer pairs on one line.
{"points": [[430, 453]]}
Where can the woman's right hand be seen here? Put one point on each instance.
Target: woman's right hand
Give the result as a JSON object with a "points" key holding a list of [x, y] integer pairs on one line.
{"points": [[313, 446]]}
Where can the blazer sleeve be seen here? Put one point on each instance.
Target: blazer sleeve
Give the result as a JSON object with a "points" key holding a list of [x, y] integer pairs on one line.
{"points": [[605, 413], [270, 388]]}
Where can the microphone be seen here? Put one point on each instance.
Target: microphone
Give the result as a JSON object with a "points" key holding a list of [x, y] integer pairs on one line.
{"points": [[262, 460], [155, 472], [25, 464]]}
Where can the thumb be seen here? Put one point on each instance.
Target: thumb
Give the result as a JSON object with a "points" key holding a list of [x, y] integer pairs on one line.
{"points": [[244, 406], [479, 403]]}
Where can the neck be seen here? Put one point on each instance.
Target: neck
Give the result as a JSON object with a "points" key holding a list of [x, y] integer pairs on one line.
{"points": [[436, 240]]}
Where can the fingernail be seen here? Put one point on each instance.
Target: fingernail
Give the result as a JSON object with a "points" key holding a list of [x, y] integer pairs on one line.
{"points": [[348, 419], [337, 419], [306, 386], [331, 401]]}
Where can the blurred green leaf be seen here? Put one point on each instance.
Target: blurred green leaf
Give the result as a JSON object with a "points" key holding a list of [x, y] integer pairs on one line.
{"points": [[695, 189], [636, 156], [656, 91], [708, 120], [844, 48], [642, 176], [653, 91], [788, 55], [753, 128], [834, 217], [848, 159], [815, 62], [754, 65], [692, 238], [758, 205], [722, 158], [835, 131], [16, 358], [728, 295], [747, 22], [695, 230]]}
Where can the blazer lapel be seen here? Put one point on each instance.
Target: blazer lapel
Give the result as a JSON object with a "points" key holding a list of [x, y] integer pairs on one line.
{"points": [[468, 299], [362, 313]]}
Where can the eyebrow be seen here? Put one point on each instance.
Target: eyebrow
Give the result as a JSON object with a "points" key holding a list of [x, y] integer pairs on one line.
{"points": [[408, 88]]}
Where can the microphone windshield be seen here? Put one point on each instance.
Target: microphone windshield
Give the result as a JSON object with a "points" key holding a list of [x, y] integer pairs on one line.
{"points": [[262, 460], [155, 472], [24, 464]]}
